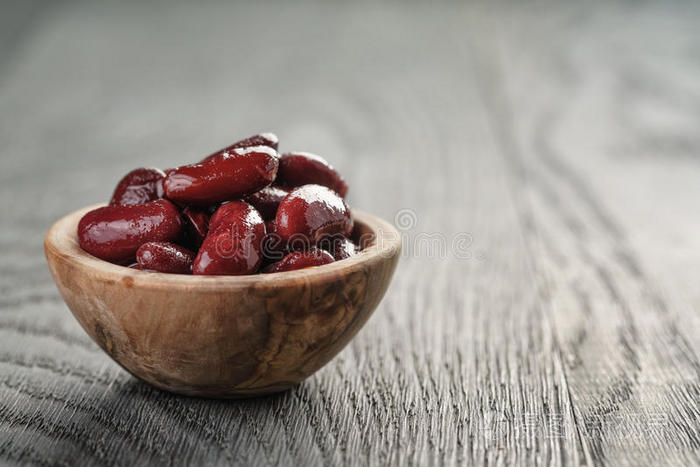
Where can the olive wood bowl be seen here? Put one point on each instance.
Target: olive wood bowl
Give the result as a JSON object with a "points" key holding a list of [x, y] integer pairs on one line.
{"points": [[223, 336]]}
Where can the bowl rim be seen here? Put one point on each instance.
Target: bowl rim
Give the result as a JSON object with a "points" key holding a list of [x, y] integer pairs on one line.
{"points": [[61, 241]]}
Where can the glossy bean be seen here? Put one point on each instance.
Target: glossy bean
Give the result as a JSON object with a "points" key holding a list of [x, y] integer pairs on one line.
{"points": [[138, 187], [310, 213], [229, 213], [273, 247], [236, 174], [233, 244], [165, 257], [303, 168], [196, 225], [114, 233], [261, 139], [342, 248], [300, 260], [211, 209], [267, 200]]}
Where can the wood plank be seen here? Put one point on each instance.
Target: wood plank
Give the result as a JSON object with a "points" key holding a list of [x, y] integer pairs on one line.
{"points": [[630, 359]]}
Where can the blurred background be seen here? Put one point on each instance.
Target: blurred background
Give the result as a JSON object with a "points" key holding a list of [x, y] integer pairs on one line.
{"points": [[560, 137]]}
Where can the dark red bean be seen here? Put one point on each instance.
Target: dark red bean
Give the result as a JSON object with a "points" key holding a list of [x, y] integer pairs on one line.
{"points": [[165, 257], [310, 213], [233, 245], [303, 168], [114, 233], [237, 173], [138, 187], [228, 214], [343, 248], [222, 215], [300, 260], [261, 139], [196, 225], [212, 209], [267, 200], [273, 248]]}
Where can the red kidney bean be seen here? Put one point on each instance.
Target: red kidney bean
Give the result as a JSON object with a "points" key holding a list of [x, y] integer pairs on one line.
{"points": [[165, 257], [114, 233], [273, 248], [300, 260], [237, 173], [233, 245], [222, 214], [261, 139], [343, 248], [267, 200], [229, 213], [303, 168], [310, 213], [138, 187], [196, 225], [211, 209]]}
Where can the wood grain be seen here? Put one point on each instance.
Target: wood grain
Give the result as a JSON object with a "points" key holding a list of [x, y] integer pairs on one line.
{"points": [[540, 157]]}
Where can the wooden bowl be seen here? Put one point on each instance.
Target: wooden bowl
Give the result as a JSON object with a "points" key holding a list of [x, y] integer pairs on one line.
{"points": [[222, 336]]}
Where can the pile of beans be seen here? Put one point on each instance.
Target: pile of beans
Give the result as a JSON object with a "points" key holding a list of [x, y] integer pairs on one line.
{"points": [[242, 210]]}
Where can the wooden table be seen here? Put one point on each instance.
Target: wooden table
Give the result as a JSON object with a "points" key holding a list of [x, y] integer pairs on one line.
{"points": [[542, 160]]}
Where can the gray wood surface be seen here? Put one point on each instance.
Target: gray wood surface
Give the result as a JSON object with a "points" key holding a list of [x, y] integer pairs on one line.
{"points": [[542, 159]]}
